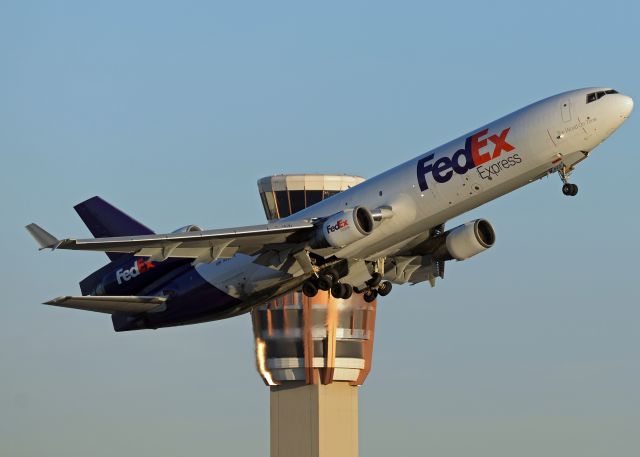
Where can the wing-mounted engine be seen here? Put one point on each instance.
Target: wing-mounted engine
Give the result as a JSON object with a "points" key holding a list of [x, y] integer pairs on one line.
{"points": [[465, 241], [425, 262], [343, 228]]}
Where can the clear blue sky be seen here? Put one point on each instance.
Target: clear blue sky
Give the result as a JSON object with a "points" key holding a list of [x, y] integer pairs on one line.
{"points": [[173, 110]]}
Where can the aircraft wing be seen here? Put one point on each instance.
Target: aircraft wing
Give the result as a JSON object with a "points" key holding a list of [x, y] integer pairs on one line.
{"points": [[205, 245], [109, 305]]}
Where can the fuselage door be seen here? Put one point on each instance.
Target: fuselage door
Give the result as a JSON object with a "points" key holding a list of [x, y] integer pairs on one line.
{"points": [[565, 108]]}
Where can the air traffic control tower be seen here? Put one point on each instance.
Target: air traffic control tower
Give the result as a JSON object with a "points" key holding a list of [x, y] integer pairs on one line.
{"points": [[313, 353]]}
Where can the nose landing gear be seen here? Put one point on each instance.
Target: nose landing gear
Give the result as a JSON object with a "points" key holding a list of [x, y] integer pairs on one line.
{"points": [[567, 188], [565, 171]]}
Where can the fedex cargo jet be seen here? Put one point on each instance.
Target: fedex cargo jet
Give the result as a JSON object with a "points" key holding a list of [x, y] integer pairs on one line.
{"points": [[388, 230]]}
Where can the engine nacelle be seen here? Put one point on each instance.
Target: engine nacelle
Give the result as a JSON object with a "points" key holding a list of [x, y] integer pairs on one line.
{"points": [[469, 239], [188, 228], [344, 228]]}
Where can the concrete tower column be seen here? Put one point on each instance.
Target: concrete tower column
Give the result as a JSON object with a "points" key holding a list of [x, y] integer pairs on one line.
{"points": [[313, 353]]}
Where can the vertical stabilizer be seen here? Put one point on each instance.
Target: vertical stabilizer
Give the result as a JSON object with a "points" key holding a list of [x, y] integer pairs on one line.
{"points": [[105, 220]]}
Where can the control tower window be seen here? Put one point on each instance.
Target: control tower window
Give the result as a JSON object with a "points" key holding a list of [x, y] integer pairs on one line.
{"points": [[297, 200], [282, 198], [313, 197], [329, 193]]}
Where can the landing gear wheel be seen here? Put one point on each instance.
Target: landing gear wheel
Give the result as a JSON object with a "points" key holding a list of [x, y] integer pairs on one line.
{"points": [[370, 295], [333, 273], [348, 291], [327, 279], [309, 289], [384, 288], [325, 282], [375, 279], [564, 172], [343, 291], [338, 290]]}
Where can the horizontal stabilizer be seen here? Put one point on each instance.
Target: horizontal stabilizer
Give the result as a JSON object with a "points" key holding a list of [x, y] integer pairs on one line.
{"points": [[109, 304], [43, 238]]}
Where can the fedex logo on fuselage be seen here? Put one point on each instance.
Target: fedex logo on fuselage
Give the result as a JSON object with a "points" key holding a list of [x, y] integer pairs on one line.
{"points": [[473, 155], [342, 223], [139, 266]]}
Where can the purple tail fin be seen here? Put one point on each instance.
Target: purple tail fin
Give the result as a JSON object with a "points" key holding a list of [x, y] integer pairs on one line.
{"points": [[105, 220]]}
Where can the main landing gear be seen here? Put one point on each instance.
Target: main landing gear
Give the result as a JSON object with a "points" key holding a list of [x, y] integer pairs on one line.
{"points": [[340, 290], [371, 293], [330, 280], [383, 289], [309, 288], [327, 280], [374, 287]]}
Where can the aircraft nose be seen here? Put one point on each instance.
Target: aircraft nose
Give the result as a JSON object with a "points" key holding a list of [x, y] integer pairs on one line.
{"points": [[627, 106]]}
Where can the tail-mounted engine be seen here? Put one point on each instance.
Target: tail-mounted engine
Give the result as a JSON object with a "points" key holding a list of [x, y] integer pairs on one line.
{"points": [[344, 228], [188, 228]]}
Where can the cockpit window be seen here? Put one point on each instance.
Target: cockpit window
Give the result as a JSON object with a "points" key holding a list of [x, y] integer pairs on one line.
{"points": [[593, 96]]}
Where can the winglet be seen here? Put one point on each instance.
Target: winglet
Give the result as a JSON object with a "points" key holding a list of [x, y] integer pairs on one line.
{"points": [[45, 239]]}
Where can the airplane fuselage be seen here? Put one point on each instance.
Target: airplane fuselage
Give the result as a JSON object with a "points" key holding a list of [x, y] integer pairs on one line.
{"points": [[424, 192]]}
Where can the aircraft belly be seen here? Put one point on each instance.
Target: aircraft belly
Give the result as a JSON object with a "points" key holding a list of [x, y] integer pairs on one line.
{"points": [[210, 291], [190, 299], [201, 304], [240, 277], [218, 290]]}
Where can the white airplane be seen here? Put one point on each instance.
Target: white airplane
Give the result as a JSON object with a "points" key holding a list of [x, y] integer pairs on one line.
{"points": [[389, 229]]}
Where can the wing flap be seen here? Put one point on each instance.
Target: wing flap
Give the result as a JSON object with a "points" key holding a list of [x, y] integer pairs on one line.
{"points": [[109, 304]]}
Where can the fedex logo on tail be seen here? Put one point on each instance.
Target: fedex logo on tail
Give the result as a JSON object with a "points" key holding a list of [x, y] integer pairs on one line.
{"points": [[474, 154], [139, 266]]}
